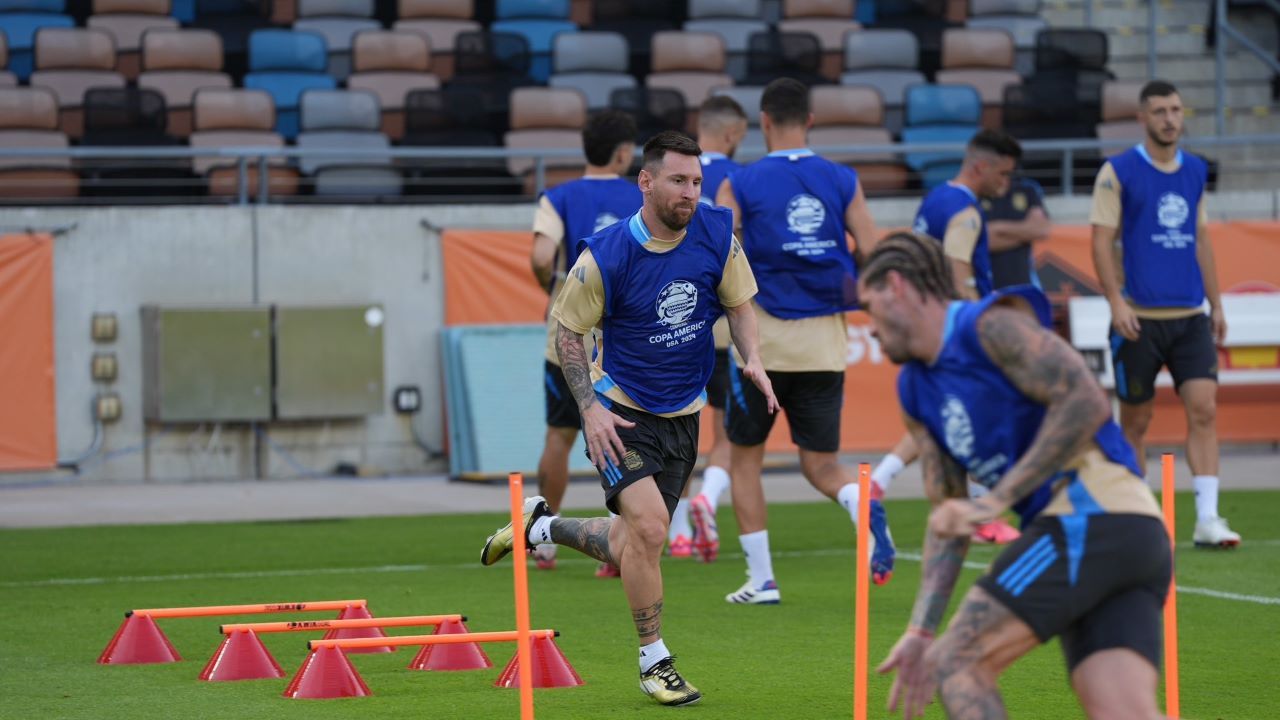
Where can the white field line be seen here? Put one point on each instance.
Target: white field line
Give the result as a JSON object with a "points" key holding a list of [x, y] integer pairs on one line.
{"points": [[377, 569]]}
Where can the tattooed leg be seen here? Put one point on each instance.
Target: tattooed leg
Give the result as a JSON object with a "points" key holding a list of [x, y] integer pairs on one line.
{"points": [[982, 640], [589, 536]]}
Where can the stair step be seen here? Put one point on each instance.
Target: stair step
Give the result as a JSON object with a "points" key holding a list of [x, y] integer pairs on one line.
{"points": [[1240, 65]]}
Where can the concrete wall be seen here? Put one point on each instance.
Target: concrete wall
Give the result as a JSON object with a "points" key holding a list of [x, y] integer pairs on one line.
{"points": [[120, 258]]}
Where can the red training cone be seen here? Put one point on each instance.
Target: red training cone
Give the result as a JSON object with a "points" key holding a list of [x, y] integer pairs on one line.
{"points": [[138, 640], [550, 667], [326, 673], [362, 612], [241, 656], [460, 656]]}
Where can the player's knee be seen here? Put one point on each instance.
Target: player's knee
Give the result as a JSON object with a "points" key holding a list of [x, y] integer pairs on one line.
{"points": [[1118, 706], [649, 533], [1202, 413]]}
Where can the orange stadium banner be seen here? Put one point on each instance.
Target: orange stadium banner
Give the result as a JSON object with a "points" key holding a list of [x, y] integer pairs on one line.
{"points": [[488, 281], [28, 420]]}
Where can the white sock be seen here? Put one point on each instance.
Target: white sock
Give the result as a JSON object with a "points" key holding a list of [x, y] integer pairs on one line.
{"points": [[540, 533], [715, 480], [976, 491], [680, 521], [547, 549], [652, 654], [848, 497], [887, 470], [756, 547], [1206, 496]]}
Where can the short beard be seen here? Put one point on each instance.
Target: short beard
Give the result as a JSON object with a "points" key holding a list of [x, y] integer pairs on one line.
{"points": [[673, 221], [1155, 138]]}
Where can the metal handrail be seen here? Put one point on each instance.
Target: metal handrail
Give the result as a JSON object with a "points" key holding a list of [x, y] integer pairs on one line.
{"points": [[1222, 31]]}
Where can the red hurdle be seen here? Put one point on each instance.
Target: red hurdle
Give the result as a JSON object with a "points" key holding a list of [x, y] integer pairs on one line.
{"points": [[140, 640]]}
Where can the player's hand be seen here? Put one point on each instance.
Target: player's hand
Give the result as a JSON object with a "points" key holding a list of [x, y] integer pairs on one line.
{"points": [[914, 685], [957, 518], [754, 371], [1218, 321], [599, 428], [1125, 321]]}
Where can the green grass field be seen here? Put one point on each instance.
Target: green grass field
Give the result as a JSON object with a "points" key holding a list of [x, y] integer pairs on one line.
{"points": [[63, 591]]}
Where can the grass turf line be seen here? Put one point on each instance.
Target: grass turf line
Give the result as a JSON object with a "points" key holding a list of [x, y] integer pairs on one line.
{"points": [[790, 661]]}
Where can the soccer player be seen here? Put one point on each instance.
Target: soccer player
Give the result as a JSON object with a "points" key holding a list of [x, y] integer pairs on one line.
{"points": [[988, 391], [952, 215], [657, 282], [1016, 220], [794, 209], [567, 214], [1151, 199], [721, 126]]}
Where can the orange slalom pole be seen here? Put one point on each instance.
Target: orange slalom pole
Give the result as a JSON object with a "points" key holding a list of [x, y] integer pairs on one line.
{"points": [[247, 609], [861, 594], [305, 625], [397, 641], [1171, 700], [524, 650]]}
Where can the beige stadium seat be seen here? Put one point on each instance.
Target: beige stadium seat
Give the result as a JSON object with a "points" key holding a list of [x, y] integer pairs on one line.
{"points": [[127, 20], [7, 79], [69, 61], [828, 20], [177, 63], [984, 59], [441, 21], [391, 64], [238, 118], [1119, 111], [854, 115], [28, 120], [692, 63], [546, 118]]}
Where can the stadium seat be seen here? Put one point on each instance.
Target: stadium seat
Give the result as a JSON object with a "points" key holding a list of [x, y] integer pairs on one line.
{"points": [[540, 34], [797, 55], [655, 110], [392, 64], [338, 120], [1120, 105], [638, 21], [235, 21], [939, 114], [928, 30], [238, 118], [20, 30], [752, 146], [829, 21], [29, 120], [491, 65], [546, 118], [441, 21], [887, 61], [594, 63], [854, 115], [983, 59], [286, 64], [453, 118], [691, 62], [69, 61], [734, 21], [1071, 48], [338, 21], [135, 118], [1023, 28], [7, 79], [127, 20], [177, 63]]}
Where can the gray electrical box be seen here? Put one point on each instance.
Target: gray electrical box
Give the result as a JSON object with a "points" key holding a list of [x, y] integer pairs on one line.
{"points": [[328, 362], [206, 364]]}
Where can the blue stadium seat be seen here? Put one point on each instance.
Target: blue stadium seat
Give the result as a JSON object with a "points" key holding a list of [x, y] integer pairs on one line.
{"points": [[541, 36], [35, 6], [544, 9], [20, 29], [285, 64], [938, 114]]}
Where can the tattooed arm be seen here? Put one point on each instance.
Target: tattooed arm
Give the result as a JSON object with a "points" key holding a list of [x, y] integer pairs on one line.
{"points": [[915, 682], [598, 424], [1048, 370], [943, 557]]}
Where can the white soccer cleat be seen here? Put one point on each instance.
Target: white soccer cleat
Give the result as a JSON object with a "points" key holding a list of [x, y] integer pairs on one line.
{"points": [[1215, 533], [766, 594]]}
